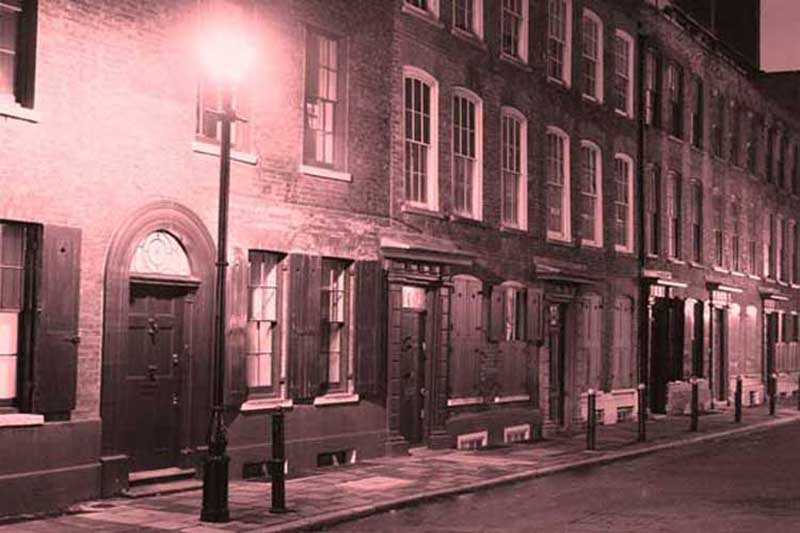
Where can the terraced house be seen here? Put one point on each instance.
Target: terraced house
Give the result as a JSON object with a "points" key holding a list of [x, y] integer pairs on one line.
{"points": [[449, 219]]}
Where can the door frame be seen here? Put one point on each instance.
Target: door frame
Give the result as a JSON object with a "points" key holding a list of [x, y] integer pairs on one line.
{"points": [[189, 230]]}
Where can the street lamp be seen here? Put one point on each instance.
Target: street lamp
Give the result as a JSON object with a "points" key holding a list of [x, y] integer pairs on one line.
{"points": [[225, 56]]}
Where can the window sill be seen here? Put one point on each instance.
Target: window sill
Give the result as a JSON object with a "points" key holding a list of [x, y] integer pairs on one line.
{"points": [[783, 283], [427, 16], [516, 61], [558, 82], [17, 420], [465, 218], [14, 110], [674, 138], [695, 264], [470, 37], [738, 274], [201, 147], [336, 398], [592, 244], [563, 240], [265, 404], [623, 249], [753, 276], [593, 99], [512, 399], [622, 113], [676, 261], [321, 172], [509, 228], [422, 210], [720, 270], [458, 402]]}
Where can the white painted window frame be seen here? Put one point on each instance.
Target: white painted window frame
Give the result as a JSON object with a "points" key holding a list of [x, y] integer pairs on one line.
{"points": [[477, 177], [598, 206], [566, 212], [433, 157], [522, 39], [628, 247], [599, 80], [522, 192], [432, 10], [477, 19], [566, 60], [628, 111]]}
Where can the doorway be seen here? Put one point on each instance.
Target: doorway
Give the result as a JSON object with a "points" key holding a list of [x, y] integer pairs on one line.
{"points": [[666, 349], [720, 352], [557, 363], [151, 381], [412, 375]]}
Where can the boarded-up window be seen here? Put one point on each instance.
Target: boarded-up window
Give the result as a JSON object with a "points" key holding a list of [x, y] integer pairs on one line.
{"points": [[622, 344], [466, 337]]}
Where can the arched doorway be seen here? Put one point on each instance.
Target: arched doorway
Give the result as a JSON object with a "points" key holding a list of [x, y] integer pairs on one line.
{"points": [[157, 324]]}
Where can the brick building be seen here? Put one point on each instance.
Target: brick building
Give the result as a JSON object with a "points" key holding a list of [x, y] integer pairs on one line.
{"points": [[435, 231]]}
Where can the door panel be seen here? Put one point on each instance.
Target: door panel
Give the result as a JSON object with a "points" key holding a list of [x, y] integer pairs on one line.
{"points": [[720, 353], [412, 375], [557, 371], [151, 383]]}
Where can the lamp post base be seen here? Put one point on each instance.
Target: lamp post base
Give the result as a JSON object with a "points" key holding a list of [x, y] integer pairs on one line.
{"points": [[215, 489]]}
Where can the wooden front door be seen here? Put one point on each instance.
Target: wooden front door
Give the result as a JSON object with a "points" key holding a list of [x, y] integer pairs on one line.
{"points": [[770, 338], [412, 375], [557, 363], [720, 352], [666, 350], [151, 408]]}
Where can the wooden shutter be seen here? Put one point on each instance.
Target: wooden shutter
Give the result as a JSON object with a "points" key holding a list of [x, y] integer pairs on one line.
{"points": [[25, 75], [370, 316], [535, 315], [734, 343], [306, 373], [56, 346], [496, 312], [236, 342]]}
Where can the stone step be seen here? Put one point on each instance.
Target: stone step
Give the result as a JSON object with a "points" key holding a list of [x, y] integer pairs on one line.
{"points": [[161, 475], [159, 488]]}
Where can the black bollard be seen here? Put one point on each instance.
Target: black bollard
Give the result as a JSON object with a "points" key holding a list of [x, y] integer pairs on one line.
{"points": [[275, 465], [591, 419], [772, 389], [798, 392], [695, 407], [737, 398], [642, 413]]}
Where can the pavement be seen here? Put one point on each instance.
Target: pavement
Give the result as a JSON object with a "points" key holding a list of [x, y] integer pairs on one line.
{"points": [[337, 494]]}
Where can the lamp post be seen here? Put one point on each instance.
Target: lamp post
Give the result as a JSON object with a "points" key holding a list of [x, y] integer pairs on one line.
{"points": [[218, 51]]}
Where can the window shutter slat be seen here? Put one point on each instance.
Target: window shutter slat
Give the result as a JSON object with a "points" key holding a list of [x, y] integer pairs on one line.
{"points": [[56, 346], [237, 297], [304, 367], [25, 74], [496, 322], [370, 317], [535, 298]]}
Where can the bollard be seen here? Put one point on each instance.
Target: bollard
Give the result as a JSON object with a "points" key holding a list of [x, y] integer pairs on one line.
{"points": [[642, 413], [276, 465], [737, 398], [772, 389], [798, 392], [694, 407], [591, 419]]}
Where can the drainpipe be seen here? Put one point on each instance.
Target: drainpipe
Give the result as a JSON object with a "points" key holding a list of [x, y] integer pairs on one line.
{"points": [[644, 312]]}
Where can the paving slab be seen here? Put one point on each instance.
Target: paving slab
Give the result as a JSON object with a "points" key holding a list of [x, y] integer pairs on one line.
{"points": [[354, 491]]}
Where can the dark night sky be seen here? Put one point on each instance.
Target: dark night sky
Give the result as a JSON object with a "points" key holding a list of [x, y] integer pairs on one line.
{"points": [[780, 35]]}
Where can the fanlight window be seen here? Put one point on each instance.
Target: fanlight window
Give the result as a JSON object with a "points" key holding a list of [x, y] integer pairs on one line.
{"points": [[160, 253]]}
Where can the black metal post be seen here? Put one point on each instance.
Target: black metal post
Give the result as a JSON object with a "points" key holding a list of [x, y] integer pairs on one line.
{"points": [[642, 414], [773, 392], [798, 392], [276, 464], [738, 400], [695, 405], [591, 420], [215, 471]]}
